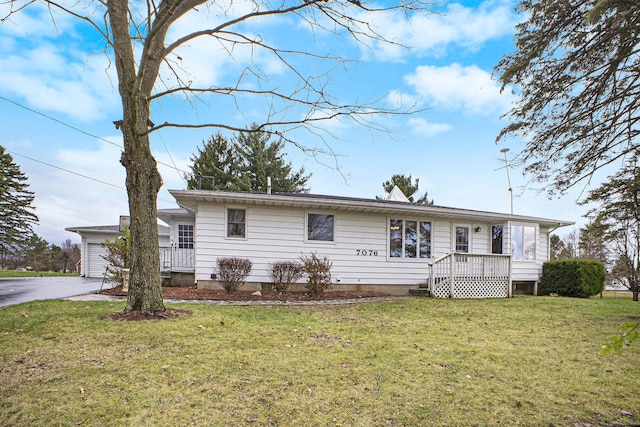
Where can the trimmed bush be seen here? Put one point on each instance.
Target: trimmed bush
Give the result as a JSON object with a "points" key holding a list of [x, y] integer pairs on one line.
{"points": [[572, 278], [283, 273], [232, 272], [318, 271]]}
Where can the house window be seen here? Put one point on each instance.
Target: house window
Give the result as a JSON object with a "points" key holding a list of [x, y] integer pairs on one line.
{"points": [[320, 227], [236, 223], [185, 236], [523, 243], [496, 239], [409, 239], [462, 239]]}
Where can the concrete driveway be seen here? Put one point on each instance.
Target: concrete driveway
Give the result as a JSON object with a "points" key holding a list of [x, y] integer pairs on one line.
{"points": [[19, 290]]}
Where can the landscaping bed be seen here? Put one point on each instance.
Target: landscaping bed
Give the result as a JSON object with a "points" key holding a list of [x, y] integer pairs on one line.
{"points": [[194, 293]]}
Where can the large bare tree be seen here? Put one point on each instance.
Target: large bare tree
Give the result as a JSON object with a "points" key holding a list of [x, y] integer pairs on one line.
{"points": [[149, 69]]}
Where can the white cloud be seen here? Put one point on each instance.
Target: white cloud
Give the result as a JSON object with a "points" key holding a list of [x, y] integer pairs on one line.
{"points": [[458, 87], [52, 79], [434, 33], [65, 196], [425, 129]]}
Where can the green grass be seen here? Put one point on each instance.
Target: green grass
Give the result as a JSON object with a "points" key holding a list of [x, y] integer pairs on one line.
{"points": [[519, 361], [17, 273]]}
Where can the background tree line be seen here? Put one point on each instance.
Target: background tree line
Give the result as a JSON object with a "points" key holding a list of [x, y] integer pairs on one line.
{"points": [[612, 235], [20, 247]]}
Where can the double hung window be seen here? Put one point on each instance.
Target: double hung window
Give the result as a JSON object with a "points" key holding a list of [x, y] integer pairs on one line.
{"points": [[236, 223]]}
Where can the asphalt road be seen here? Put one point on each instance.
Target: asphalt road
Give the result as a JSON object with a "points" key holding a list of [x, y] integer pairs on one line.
{"points": [[19, 290]]}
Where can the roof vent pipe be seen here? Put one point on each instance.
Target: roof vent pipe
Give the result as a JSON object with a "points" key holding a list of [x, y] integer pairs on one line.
{"points": [[268, 185]]}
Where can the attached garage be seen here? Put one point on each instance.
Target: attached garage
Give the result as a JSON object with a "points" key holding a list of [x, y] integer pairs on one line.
{"points": [[93, 265]]}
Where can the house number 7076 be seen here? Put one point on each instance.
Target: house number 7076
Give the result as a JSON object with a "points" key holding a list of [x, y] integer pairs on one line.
{"points": [[366, 252]]}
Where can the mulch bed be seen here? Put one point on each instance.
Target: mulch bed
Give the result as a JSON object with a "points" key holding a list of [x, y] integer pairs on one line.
{"points": [[194, 293]]}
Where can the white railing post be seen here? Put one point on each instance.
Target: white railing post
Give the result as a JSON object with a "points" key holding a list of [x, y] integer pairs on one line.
{"points": [[452, 266], [509, 287], [430, 282]]}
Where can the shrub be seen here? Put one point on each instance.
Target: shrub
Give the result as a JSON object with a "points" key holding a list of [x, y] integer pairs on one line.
{"points": [[572, 278], [117, 257], [318, 271], [232, 272], [283, 274]]}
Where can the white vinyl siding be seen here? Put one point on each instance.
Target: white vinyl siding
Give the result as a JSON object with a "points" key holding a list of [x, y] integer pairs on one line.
{"points": [[279, 234], [360, 251]]}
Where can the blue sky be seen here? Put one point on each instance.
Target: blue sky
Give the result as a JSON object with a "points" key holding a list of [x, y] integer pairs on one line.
{"points": [[62, 72]]}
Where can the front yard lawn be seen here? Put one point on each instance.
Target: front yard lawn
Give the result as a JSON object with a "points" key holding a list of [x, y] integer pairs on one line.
{"points": [[520, 361]]}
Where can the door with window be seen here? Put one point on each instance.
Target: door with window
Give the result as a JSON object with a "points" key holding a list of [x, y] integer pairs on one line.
{"points": [[461, 241], [183, 249]]}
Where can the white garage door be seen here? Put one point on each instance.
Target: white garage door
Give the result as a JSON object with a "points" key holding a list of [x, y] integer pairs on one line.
{"points": [[96, 265]]}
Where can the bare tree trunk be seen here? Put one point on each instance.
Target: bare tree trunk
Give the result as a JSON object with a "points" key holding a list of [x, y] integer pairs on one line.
{"points": [[143, 179]]}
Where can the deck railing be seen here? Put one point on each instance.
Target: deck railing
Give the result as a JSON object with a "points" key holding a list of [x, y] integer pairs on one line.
{"points": [[460, 275], [177, 260]]}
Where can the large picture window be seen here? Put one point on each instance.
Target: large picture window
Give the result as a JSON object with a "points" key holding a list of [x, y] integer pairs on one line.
{"points": [[237, 223], [320, 227], [185, 236], [409, 239], [523, 243]]}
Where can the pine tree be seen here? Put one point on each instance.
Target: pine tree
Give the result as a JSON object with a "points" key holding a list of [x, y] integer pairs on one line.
{"points": [[619, 215], [17, 214], [262, 158], [216, 166]]}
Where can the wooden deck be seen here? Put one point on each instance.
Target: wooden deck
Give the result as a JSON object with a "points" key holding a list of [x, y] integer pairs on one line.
{"points": [[460, 275]]}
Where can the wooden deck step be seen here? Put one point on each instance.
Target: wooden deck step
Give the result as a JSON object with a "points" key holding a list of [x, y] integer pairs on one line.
{"points": [[419, 292]]}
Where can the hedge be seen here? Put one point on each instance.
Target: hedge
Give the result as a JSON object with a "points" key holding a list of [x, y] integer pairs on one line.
{"points": [[572, 278]]}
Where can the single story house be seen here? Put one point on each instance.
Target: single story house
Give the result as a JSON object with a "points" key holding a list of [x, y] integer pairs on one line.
{"points": [[391, 246], [92, 263]]}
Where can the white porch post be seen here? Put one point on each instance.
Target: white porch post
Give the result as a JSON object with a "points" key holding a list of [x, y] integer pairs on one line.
{"points": [[510, 286]]}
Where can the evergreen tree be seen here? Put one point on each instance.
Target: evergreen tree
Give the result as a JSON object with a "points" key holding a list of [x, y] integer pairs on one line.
{"points": [[619, 212], [36, 253], [216, 166], [557, 247], [17, 214], [593, 241], [406, 184], [263, 158], [575, 72]]}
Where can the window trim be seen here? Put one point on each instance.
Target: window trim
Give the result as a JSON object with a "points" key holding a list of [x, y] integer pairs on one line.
{"points": [[306, 228], [226, 223], [403, 240]]}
